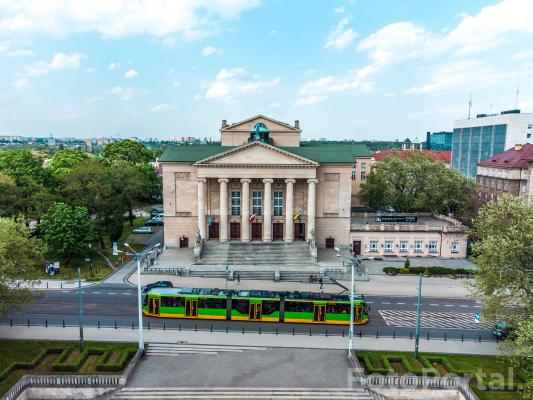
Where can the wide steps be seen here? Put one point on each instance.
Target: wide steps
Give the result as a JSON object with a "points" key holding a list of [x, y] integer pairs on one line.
{"points": [[243, 393], [174, 349]]}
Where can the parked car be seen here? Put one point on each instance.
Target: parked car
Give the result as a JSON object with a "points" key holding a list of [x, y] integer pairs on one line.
{"points": [[143, 230], [155, 222], [502, 330], [158, 284], [154, 212]]}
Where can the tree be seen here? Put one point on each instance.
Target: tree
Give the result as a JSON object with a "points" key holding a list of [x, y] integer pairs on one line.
{"points": [[128, 151], [419, 182], [22, 164], [503, 252], [65, 159], [20, 257], [68, 231]]}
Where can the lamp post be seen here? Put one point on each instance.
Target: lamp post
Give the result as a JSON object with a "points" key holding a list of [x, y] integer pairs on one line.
{"points": [[417, 338], [81, 310], [138, 257]]}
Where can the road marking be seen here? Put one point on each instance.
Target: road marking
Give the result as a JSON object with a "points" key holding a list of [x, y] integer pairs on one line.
{"points": [[433, 304], [111, 293], [126, 293], [65, 291], [95, 292], [400, 303], [465, 306], [385, 302], [369, 302], [448, 305], [477, 306], [443, 320]]}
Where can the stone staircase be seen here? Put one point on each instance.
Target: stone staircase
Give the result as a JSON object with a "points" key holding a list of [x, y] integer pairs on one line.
{"points": [[244, 393], [295, 254], [176, 349]]}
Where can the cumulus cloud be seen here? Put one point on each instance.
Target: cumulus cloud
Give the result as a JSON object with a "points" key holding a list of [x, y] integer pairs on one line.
{"points": [[119, 18], [160, 107], [341, 36], [66, 61], [237, 81], [315, 91], [20, 83], [310, 100], [338, 10], [113, 66], [59, 61], [123, 93], [209, 51], [20, 53], [130, 74]]}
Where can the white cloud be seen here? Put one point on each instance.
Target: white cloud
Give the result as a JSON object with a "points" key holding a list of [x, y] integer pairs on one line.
{"points": [[237, 81], [124, 93], [59, 61], [119, 18], [273, 32], [113, 66], [91, 69], [310, 100], [20, 83], [274, 105], [176, 83], [160, 107], [94, 99], [340, 37], [20, 53], [169, 42], [130, 74], [208, 51], [66, 61], [338, 10]]}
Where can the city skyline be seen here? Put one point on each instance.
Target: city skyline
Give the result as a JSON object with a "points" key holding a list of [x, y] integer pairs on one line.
{"points": [[347, 69]]}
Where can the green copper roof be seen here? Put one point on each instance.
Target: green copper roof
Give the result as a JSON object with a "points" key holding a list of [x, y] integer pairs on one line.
{"points": [[323, 153]]}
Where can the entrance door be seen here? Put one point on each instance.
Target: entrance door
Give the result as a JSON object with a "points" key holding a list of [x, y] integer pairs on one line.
{"points": [[358, 314], [257, 231], [213, 230], [356, 247], [319, 314], [235, 230], [299, 231], [184, 242], [191, 308], [255, 311], [153, 306], [277, 231], [330, 243]]}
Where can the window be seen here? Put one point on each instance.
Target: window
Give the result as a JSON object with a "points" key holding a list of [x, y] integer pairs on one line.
{"points": [[235, 203], [481, 182], [363, 175], [299, 306], [353, 175], [257, 203], [455, 247], [363, 165], [506, 185], [433, 244], [388, 246], [419, 244], [278, 203], [241, 306], [212, 303], [373, 246], [270, 307], [404, 245], [529, 126], [172, 301], [338, 308], [499, 184], [492, 183]]}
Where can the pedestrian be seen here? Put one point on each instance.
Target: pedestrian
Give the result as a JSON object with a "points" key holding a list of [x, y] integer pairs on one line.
{"points": [[311, 279], [238, 279], [321, 281]]}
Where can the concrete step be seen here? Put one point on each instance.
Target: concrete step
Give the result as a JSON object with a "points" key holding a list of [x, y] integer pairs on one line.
{"points": [[244, 393], [174, 350]]}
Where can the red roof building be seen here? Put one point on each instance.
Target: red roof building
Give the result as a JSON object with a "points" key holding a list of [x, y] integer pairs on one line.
{"points": [[444, 156]]}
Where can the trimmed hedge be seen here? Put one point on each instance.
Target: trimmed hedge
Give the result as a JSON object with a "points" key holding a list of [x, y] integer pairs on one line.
{"points": [[125, 357], [428, 271], [29, 364]]}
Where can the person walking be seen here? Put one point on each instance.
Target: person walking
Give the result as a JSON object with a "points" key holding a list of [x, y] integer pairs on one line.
{"points": [[321, 281], [238, 279]]}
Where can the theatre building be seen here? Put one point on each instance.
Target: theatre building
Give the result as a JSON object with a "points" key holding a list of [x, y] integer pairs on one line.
{"points": [[260, 183]]}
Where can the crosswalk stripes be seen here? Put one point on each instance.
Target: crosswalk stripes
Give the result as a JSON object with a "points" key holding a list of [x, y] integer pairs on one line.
{"points": [[175, 349], [243, 393], [442, 320]]}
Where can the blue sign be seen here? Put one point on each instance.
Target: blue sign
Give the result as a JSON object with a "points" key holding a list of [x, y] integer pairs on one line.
{"points": [[115, 248]]}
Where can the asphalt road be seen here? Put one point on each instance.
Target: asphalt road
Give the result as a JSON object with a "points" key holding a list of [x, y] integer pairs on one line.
{"points": [[110, 304]]}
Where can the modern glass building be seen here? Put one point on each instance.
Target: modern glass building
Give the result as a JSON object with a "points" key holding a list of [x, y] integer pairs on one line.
{"points": [[479, 138], [439, 141]]}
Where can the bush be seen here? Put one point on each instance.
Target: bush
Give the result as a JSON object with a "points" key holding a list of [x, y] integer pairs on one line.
{"points": [[60, 365], [404, 271], [391, 271], [119, 365], [28, 364], [407, 263]]}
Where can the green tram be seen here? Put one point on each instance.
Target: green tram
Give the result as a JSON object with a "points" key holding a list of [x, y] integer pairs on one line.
{"points": [[254, 305]]}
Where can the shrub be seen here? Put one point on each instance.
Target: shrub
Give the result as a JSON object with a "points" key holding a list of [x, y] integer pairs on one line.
{"points": [[119, 365], [60, 365], [404, 271], [29, 364], [407, 263], [391, 271]]}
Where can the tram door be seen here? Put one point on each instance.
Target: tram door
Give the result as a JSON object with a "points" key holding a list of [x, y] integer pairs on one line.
{"points": [[191, 308], [319, 314], [153, 306], [358, 314], [255, 311]]}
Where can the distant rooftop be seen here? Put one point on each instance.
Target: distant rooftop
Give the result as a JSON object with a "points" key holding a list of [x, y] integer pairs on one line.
{"points": [[441, 155], [515, 157]]}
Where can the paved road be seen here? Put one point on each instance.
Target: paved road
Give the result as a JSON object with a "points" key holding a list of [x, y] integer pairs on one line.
{"points": [[107, 304]]}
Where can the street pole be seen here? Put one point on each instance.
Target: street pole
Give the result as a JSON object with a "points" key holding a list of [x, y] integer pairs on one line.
{"points": [[417, 339], [81, 310], [139, 302], [350, 343]]}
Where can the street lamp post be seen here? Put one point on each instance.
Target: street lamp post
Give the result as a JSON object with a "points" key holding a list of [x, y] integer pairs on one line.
{"points": [[81, 310], [417, 338]]}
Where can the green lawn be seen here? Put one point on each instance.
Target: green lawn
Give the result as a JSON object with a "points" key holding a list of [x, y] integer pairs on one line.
{"points": [[26, 351], [486, 364]]}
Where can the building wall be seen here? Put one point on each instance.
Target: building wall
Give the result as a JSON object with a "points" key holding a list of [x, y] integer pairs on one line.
{"points": [[358, 176], [281, 135], [492, 183]]}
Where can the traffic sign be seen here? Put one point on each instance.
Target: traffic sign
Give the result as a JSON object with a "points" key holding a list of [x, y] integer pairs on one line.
{"points": [[115, 248]]}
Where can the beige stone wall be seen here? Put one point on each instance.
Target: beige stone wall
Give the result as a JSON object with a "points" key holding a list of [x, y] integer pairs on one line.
{"points": [[280, 134], [336, 227], [444, 247], [363, 164], [333, 191]]}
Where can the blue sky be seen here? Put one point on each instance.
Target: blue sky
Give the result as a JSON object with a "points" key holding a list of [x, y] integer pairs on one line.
{"points": [[380, 69]]}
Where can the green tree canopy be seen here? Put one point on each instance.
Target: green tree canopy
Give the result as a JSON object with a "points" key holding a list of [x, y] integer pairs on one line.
{"points": [[22, 164], [128, 151], [68, 231], [20, 257], [65, 159], [417, 183]]}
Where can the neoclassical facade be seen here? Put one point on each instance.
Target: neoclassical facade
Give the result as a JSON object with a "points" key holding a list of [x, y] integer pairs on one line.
{"points": [[260, 183]]}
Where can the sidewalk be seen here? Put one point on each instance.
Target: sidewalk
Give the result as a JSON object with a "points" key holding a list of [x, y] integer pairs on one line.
{"points": [[378, 285], [57, 284], [248, 339]]}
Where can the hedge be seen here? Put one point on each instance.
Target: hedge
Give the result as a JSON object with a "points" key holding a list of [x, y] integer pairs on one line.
{"points": [[119, 365], [29, 364], [428, 271]]}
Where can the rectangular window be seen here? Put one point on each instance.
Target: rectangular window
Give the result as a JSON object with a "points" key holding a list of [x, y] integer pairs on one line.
{"points": [[455, 247], [388, 246], [506, 185], [433, 245], [404, 246], [278, 203], [235, 203], [499, 184], [363, 165], [419, 245], [257, 203], [363, 175], [353, 175], [299, 306], [373, 246], [492, 183]]}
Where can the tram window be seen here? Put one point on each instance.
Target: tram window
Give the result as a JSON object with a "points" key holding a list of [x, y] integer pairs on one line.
{"points": [[172, 301], [299, 306], [212, 303], [241, 306], [145, 301], [338, 308], [270, 307]]}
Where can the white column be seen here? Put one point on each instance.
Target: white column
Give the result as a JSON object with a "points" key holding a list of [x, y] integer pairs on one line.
{"points": [[245, 210], [201, 207], [311, 206], [267, 210], [289, 210], [223, 232]]}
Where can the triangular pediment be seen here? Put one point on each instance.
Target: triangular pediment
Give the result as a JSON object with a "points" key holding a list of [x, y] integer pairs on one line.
{"points": [[256, 154], [272, 124]]}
